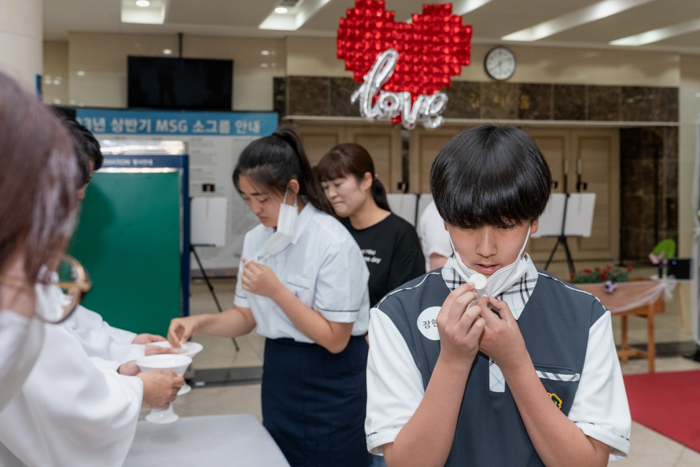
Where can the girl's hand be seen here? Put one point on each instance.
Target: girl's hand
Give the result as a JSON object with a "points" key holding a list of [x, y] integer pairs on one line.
{"points": [[259, 279], [180, 330], [460, 328], [502, 340]]}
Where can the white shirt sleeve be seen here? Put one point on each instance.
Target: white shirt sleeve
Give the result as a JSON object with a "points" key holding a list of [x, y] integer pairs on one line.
{"points": [[69, 412], [600, 408], [434, 237], [394, 384], [97, 337], [341, 283], [84, 319]]}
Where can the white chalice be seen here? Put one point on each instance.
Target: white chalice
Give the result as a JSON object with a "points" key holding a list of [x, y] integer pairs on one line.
{"points": [[176, 363], [187, 349]]}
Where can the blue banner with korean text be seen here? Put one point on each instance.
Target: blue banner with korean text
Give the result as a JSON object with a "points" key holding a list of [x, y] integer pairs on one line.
{"points": [[149, 122]]}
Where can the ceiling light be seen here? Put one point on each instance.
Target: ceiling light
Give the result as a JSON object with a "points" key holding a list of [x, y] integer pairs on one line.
{"points": [[81, 73], [144, 11], [576, 18], [265, 52], [465, 6], [660, 34], [264, 65], [290, 15], [167, 51]]}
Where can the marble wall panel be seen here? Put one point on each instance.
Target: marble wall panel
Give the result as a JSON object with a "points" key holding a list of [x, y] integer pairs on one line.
{"points": [[340, 91], [499, 101], [672, 216], [666, 104], [569, 102], [535, 102], [603, 103], [649, 187], [637, 104], [670, 143], [279, 96], [308, 95], [464, 100]]}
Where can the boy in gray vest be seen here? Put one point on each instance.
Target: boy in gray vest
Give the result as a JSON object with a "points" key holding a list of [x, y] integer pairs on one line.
{"points": [[489, 361]]}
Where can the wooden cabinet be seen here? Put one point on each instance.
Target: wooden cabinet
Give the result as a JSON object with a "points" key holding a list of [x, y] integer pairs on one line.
{"points": [[593, 152], [381, 140]]}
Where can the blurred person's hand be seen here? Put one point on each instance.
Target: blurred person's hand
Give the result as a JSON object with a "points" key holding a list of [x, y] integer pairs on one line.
{"points": [[129, 369], [147, 339], [157, 350], [160, 388]]}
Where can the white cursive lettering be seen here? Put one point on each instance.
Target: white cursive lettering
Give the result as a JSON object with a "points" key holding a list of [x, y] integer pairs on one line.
{"points": [[388, 105]]}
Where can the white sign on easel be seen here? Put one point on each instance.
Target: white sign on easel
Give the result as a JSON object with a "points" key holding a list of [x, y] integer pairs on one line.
{"points": [[208, 221], [579, 216]]}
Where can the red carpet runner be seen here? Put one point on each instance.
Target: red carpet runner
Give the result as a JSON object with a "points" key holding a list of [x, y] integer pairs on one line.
{"points": [[668, 403]]}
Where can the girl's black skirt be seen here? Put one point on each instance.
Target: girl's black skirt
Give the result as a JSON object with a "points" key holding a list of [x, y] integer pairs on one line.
{"points": [[314, 402]]}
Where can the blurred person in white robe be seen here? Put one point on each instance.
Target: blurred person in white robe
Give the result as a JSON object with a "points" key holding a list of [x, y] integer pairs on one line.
{"points": [[69, 411], [38, 179], [110, 347]]}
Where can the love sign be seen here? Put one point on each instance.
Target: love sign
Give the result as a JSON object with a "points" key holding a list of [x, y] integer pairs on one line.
{"points": [[403, 66]]}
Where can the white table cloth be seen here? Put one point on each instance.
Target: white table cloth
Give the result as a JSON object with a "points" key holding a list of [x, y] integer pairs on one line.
{"points": [[217, 440]]}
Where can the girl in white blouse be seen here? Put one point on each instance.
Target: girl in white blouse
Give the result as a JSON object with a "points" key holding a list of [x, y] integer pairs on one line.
{"points": [[303, 283]]}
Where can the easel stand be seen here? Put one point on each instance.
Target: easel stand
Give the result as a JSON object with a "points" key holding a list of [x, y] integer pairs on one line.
{"points": [[561, 240], [211, 288]]}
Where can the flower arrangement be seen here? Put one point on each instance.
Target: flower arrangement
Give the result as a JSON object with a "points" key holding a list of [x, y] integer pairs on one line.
{"points": [[606, 274]]}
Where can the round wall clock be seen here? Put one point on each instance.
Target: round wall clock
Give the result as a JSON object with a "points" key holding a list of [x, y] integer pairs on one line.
{"points": [[500, 63]]}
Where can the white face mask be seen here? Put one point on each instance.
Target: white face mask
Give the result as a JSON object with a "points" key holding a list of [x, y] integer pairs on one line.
{"points": [[20, 343], [284, 234], [500, 280]]}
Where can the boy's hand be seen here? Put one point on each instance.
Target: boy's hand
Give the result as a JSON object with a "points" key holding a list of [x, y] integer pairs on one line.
{"points": [[501, 340], [460, 328]]}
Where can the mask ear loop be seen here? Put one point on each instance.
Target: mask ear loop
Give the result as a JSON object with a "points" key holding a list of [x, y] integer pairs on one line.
{"points": [[284, 200]]}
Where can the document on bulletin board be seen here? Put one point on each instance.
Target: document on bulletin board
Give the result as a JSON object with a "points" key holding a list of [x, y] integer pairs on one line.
{"points": [[579, 215]]}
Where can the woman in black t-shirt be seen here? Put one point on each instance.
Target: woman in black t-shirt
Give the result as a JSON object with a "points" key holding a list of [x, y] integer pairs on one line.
{"points": [[389, 244]]}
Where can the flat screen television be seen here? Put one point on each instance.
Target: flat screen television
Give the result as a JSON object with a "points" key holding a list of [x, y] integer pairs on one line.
{"points": [[179, 83]]}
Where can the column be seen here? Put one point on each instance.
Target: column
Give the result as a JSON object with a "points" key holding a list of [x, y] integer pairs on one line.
{"points": [[21, 35]]}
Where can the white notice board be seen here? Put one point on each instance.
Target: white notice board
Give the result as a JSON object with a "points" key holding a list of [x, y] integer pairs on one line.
{"points": [[579, 215], [208, 221]]}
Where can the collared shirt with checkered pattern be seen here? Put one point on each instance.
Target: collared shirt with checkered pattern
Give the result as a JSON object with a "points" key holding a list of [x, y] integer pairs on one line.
{"points": [[516, 298]]}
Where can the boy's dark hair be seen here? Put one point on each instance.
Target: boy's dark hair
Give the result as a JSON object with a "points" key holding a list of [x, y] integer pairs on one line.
{"points": [[489, 175], [86, 147]]}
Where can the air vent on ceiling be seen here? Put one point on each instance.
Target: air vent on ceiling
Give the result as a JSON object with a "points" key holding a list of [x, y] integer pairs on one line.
{"points": [[289, 3]]}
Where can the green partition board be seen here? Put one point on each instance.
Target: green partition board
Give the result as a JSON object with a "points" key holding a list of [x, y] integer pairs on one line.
{"points": [[129, 240]]}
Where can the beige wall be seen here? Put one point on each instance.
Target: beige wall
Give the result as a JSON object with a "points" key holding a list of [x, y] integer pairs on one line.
{"points": [[56, 76], [316, 56], [21, 37], [689, 110], [102, 60]]}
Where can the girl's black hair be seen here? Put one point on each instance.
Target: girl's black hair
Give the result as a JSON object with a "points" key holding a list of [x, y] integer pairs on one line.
{"points": [[490, 175], [352, 159], [273, 161]]}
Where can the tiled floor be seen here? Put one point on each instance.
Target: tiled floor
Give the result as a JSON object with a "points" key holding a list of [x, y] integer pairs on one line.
{"points": [[648, 447]]}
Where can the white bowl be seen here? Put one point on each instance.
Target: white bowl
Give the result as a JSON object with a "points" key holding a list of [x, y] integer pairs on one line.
{"points": [[188, 349], [168, 362]]}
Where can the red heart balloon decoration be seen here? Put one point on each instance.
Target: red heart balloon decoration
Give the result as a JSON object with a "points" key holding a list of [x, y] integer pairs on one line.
{"points": [[432, 49]]}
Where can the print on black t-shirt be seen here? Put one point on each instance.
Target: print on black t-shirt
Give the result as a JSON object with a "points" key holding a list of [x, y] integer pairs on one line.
{"points": [[392, 252]]}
